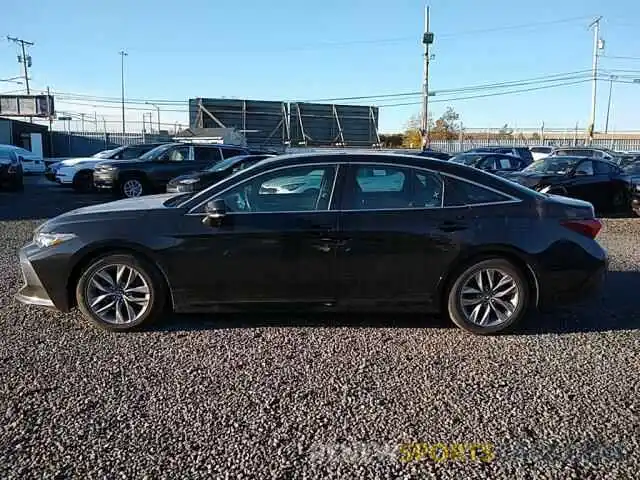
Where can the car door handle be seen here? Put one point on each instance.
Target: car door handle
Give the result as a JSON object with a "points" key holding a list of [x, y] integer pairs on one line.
{"points": [[453, 226]]}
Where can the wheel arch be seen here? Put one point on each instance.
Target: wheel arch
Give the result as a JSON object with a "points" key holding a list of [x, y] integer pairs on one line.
{"points": [[517, 257], [86, 256]]}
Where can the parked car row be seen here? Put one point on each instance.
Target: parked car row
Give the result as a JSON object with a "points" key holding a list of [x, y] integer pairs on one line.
{"points": [[595, 175]]}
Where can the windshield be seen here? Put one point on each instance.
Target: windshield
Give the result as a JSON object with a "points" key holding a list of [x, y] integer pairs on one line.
{"points": [[156, 152], [466, 159], [553, 165], [105, 153], [226, 163]]}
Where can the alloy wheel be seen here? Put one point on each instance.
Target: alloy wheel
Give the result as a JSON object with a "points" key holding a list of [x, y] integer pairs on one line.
{"points": [[118, 294], [489, 297], [132, 188]]}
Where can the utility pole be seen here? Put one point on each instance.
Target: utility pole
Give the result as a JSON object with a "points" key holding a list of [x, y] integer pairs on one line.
{"points": [[82, 117], [158, 110], [122, 55], [606, 125], [24, 59], [596, 45], [427, 40]]}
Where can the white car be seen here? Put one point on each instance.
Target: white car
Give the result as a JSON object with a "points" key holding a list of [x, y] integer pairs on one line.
{"points": [[540, 152], [31, 163]]}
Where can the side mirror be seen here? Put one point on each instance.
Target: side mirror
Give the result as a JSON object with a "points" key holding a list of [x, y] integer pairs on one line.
{"points": [[580, 173], [215, 211], [20, 158]]}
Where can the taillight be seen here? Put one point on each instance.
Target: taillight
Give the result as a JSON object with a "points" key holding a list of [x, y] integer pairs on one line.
{"points": [[589, 227]]}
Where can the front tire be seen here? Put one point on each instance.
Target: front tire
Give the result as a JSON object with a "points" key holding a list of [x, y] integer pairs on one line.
{"points": [[133, 187], [121, 292], [489, 296], [83, 182]]}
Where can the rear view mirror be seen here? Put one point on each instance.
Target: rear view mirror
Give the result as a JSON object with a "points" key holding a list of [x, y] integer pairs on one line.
{"points": [[215, 211]]}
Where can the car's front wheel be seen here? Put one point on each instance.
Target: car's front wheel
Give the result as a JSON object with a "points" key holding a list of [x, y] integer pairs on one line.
{"points": [[488, 296], [120, 292], [133, 187], [83, 182]]}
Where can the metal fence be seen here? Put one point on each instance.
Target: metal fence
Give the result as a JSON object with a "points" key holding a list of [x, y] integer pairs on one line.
{"points": [[618, 144], [81, 144]]}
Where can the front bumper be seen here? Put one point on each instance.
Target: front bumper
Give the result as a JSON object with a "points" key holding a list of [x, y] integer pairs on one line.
{"points": [[33, 292], [104, 180]]}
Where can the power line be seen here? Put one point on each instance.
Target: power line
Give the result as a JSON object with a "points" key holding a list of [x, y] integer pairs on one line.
{"points": [[69, 97], [620, 57], [495, 94]]}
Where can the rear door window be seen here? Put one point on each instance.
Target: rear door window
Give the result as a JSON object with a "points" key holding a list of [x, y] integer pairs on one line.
{"points": [[458, 193], [207, 154], [231, 152], [375, 187]]}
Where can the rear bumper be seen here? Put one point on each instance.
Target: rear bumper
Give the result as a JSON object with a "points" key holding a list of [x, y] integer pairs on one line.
{"points": [[576, 286], [9, 175], [33, 292]]}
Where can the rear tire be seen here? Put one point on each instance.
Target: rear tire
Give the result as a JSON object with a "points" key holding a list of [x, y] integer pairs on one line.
{"points": [[488, 296], [120, 292]]}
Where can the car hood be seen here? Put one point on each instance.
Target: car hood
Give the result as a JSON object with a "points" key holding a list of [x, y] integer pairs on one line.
{"points": [[69, 162], [189, 176], [123, 163], [531, 179], [118, 208]]}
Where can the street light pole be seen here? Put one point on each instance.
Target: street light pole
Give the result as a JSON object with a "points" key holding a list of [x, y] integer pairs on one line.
{"points": [[606, 125], [122, 55]]}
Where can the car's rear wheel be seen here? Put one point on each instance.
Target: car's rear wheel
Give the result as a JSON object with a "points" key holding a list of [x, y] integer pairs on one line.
{"points": [[133, 187], [83, 182], [488, 296], [120, 292]]}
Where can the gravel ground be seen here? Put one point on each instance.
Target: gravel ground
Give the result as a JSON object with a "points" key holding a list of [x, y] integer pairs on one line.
{"points": [[317, 396]]}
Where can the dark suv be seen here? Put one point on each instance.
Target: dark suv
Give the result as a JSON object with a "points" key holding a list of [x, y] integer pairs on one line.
{"points": [[152, 171], [523, 152]]}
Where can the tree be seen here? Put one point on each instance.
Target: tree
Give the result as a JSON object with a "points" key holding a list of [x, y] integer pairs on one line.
{"points": [[391, 140], [412, 136], [447, 127]]}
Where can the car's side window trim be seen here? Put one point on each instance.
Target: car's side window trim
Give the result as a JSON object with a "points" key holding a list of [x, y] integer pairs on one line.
{"points": [[338, 168], [334, 165]]}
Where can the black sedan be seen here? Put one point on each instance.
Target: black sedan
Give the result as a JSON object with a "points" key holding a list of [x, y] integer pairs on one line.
{"points": [[497, 163], [633, 171], [11, 174], [600, 182], [194, 182], [332, 231]]}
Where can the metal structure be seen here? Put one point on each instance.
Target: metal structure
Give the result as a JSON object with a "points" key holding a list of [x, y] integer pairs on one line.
{"points": [[26, 106], [319, 124], [263, 123], [282, 124]]}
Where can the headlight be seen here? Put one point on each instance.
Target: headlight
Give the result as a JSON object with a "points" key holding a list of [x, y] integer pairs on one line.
{"points": [[545, 189], [50, 239], [189, 181]]}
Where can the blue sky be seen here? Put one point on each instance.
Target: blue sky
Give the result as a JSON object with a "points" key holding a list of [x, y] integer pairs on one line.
{"points": [[308, 50]]}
